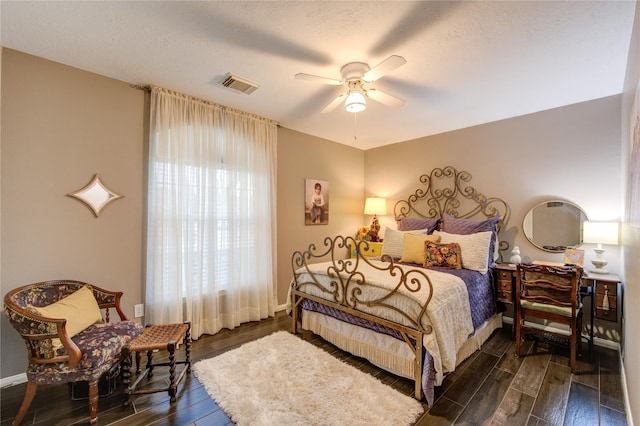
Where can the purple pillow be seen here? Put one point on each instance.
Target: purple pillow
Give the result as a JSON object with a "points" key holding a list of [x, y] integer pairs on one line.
{"points": [[453, 225], [416, 223]]}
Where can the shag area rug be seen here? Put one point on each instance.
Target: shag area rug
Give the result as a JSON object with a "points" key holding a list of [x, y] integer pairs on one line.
{"points": [[282, 380]]}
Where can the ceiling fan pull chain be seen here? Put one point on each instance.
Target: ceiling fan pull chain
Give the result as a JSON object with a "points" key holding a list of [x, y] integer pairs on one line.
{"points": [[355, 127]]}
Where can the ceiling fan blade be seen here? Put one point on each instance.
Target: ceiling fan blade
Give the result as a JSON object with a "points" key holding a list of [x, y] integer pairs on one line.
{"points": [[318, 79], [384, 98], [334, 103], [384, 67]]}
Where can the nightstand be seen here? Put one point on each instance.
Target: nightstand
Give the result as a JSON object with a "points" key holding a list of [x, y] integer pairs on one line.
{"points": [[374, 250], [605, 288], [505, 282]]}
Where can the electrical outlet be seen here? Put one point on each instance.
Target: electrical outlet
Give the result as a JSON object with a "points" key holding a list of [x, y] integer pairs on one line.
{"points": [[138, 311]]}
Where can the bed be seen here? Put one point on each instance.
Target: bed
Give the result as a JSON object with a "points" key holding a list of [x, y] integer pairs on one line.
{"points": [[428, 302]]}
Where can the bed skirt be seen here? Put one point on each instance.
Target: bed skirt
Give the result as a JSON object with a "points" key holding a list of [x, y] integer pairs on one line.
{"points": [[385, 351]]}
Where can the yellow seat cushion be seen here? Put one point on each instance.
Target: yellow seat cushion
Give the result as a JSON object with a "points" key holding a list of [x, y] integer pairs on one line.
{"points": [[561, 310], [80, 309]]}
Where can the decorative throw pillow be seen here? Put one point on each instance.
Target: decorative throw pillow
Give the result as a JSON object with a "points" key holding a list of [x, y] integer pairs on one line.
{"points": [[413, 223], [414, 247], [393, 241], [80, 309], [453, 225], [474, 248], [443, 256]]}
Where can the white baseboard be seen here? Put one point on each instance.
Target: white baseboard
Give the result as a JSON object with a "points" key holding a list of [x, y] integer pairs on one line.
{"points": [[627, 403], [13, 380]]}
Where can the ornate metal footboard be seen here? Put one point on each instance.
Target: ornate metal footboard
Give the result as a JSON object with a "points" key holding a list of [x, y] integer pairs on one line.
{"points": [[345, 288]]}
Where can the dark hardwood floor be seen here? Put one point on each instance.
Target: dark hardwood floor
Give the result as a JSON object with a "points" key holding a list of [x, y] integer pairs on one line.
{"points": [[491, 387]]}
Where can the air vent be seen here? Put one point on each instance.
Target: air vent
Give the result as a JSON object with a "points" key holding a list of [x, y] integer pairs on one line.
{"points": [[239, 84]]}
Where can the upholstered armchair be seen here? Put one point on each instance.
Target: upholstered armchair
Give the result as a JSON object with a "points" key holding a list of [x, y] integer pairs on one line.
{"points": [[67, 328]]}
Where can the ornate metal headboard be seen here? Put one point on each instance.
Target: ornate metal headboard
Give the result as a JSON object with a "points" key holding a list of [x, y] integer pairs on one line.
{"points": [[445, 190]]}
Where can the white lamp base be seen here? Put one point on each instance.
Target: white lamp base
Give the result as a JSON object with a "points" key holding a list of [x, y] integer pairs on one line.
{"points": [[599, 271], [599, 262]]}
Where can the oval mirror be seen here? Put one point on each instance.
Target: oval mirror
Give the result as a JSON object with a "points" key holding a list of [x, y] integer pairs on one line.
{"points": [[554, 225]]}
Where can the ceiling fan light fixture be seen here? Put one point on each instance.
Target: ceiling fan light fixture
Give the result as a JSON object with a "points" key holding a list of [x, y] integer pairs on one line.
{"points": [[354, 75], [356, 101]]}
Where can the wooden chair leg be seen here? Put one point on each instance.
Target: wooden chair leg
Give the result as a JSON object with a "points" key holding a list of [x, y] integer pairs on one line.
{"points": [[26, 403], [575, 339], [93, 401], [580, 334], [517, 323]]}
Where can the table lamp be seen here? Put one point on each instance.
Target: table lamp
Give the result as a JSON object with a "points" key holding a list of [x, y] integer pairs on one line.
{"points": [[375, 206], [600, 233]]}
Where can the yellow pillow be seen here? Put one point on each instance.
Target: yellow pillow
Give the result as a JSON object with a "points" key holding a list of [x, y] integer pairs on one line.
{"points": [[414, 250], [80, 309]]}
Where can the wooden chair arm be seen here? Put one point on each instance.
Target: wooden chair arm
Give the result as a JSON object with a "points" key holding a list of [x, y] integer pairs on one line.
{"points": [[109, 299], [40, 333]]}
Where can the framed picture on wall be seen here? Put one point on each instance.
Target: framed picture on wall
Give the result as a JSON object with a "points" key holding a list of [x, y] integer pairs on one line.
{"points": [[573, 256], [316, 202]]}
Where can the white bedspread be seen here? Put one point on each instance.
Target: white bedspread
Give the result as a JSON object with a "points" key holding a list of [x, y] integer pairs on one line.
{"points": [[448, 311]]}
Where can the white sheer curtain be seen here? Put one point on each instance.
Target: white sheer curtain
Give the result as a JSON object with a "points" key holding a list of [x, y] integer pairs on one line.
{"points": [[211, 214]]}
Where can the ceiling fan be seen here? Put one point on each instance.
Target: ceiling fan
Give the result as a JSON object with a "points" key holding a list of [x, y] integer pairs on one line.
{"points": [[356, 77]]}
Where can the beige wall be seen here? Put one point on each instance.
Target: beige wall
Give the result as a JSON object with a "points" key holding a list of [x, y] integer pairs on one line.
{"points": [[571, 153], [302, 156], [60, 126], [630, 233]]}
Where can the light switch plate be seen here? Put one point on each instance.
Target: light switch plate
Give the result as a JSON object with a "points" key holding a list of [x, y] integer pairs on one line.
{"points": [[138, 310]]}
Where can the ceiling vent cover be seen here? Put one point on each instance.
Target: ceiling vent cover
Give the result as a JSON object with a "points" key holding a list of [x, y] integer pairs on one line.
{"points": [[239, 84]]}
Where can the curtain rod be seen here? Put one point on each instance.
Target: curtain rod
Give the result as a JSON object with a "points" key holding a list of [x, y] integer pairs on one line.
{"points": [[149, 89]]}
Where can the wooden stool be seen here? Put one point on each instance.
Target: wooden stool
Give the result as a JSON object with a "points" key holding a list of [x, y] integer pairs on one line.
{"points": [[157, 337]]}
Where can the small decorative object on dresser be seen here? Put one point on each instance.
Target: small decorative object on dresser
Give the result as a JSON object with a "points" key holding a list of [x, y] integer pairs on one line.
{"points": [[573, 256], [515, 256], [375, 206], [363, 233]]}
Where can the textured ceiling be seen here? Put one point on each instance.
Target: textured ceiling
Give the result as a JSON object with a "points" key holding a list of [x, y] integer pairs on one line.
{"points": [[468, 63]]}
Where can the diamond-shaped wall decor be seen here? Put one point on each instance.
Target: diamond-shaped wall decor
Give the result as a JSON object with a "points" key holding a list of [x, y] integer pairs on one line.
{"points": [[95, 195]]}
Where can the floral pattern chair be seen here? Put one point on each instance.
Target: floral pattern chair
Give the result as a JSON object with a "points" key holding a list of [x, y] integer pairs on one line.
{"points": [[53, 356]]}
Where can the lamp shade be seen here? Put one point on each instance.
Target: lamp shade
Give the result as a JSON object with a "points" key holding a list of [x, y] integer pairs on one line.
{"points": [[375, 206], [356, 101], [600, 233]]}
